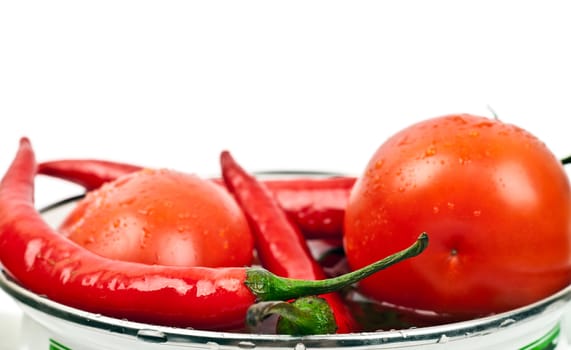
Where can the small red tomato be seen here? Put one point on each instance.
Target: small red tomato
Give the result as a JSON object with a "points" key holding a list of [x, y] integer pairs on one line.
{"points": [[494, 201], [162, 217]]}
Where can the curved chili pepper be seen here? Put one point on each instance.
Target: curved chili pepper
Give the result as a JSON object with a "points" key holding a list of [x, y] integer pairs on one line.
{"points": [[88, 173], [207, 298], [280, 245], [49, 264], [316, 205]]}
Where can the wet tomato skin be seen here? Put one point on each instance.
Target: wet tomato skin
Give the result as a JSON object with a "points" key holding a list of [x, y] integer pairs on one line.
{"points": [[162, 217], [494, 201]]}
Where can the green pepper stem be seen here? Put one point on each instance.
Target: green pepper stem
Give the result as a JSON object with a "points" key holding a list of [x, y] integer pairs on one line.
{"points": [[303, 316], [566, 160], [267, 286]]}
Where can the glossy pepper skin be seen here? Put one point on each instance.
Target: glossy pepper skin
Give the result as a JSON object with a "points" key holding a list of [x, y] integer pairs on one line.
{"points": [[51, 265], [88, 173], [316, 205], [280, 245], [48, 264]]}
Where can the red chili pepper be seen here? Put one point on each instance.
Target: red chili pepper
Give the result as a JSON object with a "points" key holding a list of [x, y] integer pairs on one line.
{"points": [[316, 205], [49, 264], [89, 173], [206, 298], [280, 245]]}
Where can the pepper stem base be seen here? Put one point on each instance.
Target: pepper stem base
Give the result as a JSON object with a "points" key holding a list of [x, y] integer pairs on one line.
{"points": [[304, 316]]}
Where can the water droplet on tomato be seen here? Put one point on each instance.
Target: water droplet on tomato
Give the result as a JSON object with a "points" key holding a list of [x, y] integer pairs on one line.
{"points": [[122, 181], [430, 151], [185, 215], [127, 201], [435, 210], [477, 213], [459, 119], [484, 124], [404, 141]]}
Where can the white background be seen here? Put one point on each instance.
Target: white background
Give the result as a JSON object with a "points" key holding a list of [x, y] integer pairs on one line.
{"points": [[296, 84], [283, 85]]}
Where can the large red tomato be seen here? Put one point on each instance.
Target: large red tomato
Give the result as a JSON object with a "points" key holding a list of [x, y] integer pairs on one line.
{"points": [[494, 201], [162, 217]]}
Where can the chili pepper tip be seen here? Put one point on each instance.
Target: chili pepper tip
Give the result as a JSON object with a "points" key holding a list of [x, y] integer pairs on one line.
{"points": [[25, 141]]}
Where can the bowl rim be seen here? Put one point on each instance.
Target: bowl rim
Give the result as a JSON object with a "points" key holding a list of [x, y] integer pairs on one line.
{"points": [[163, 334]]}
